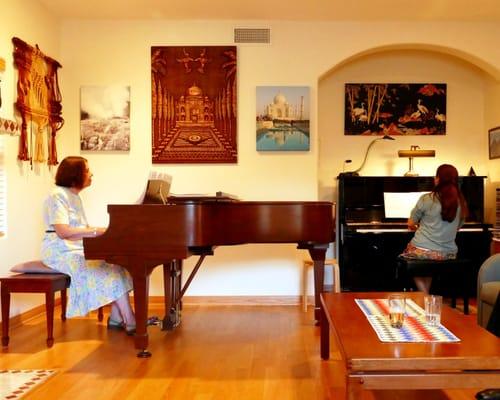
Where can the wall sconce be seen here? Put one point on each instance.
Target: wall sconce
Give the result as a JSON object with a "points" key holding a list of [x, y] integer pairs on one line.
{"points": [[356, 172], [415, 152]]}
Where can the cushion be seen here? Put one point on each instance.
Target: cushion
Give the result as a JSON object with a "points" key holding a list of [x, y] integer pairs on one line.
{"points": [[33, 267], [489, 292]]}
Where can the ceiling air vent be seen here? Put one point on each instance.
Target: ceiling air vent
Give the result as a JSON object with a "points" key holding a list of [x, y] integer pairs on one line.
{"points": [[251, 35]]}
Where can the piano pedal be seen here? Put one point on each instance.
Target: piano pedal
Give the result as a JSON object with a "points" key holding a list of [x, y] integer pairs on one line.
{"points": [[171, 321], [154, 320]]}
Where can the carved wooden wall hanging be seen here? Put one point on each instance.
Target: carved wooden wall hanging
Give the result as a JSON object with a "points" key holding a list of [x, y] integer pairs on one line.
{"points": [[194, 104], [38, 102]]}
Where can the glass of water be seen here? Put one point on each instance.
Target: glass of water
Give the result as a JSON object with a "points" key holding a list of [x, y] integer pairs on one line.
{"points": [[397, 308], [433, 305]]}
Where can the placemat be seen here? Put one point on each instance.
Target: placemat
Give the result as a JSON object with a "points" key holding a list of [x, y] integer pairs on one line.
{"points": [[414, 330]]}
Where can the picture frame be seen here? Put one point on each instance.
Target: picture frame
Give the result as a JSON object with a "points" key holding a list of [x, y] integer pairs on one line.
{"points": [[282, 118], [395, 109], [194, 104], [105, 118], [494, 143]]}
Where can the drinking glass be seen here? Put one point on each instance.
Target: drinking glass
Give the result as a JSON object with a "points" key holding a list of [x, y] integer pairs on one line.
{"points": [[433, 305], [397, 308]]}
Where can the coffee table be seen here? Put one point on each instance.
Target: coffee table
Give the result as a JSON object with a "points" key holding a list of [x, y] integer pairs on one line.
{"points": [[474, 362]]}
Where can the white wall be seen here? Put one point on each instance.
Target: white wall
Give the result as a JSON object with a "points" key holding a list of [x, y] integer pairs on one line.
{"points": [[26, 188], [110, 52], [107, 52], [463, 145]]}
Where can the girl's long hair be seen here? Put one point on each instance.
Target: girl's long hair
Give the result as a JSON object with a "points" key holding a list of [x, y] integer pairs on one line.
{"points": [[448, 193]]}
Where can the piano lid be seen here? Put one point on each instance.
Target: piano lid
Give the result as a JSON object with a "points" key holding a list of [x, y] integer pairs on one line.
{"points": [[202, 198]]}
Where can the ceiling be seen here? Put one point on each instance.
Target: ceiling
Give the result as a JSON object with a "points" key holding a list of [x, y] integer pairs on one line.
{"points": [[294, 10]]}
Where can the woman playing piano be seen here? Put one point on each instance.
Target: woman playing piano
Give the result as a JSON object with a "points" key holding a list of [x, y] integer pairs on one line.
{"points": [[94, 283], [436, 218]]}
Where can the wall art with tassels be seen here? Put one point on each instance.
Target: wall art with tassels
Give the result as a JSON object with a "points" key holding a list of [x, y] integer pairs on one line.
{"points": [[38, 102]]}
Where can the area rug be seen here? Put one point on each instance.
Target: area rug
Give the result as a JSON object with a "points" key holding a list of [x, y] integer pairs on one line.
{"points": [[15, 383]]}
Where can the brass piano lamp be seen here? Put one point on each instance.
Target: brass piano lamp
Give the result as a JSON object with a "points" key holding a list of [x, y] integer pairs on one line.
{"points": [[415, 152]]}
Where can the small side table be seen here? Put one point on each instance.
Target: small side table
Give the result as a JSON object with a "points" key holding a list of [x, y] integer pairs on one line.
{"points": [[309, 264]]}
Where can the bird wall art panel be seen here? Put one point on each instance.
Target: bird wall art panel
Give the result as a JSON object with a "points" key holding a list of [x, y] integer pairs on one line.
{"points": [[194, 104], [395, 109]]}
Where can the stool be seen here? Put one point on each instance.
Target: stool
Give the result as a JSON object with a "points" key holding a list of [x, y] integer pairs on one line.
{"points": [[36, 283], [336, 278], [457, 269]]}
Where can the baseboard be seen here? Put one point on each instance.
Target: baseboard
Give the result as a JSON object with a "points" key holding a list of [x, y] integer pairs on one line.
{"points": [[157, 302], [233, 300], [24, 317], [243, 300]]}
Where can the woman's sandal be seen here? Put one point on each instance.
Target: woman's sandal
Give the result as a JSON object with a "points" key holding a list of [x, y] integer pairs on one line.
{"points": [[115, 325]]}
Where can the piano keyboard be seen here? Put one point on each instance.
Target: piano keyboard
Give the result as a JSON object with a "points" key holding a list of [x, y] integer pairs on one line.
{"points": [[395, 230]]}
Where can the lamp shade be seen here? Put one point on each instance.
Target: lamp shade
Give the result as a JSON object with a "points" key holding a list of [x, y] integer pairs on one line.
{"points": [[416, 153]]}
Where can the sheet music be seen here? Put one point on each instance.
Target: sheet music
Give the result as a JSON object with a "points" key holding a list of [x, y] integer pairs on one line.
{"points": [[400, 204], [154, 175]]}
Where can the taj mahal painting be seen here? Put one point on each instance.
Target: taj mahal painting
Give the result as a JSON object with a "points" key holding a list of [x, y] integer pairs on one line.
{"points": [[194, 104], [282, 120]]}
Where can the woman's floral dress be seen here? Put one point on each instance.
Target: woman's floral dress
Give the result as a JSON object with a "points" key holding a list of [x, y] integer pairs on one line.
{"points": [[94, 283]]}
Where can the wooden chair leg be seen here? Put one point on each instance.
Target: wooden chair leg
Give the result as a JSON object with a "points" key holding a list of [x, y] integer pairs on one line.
{"points": [[100, 314], [5, 316], [64, 302], [49, 308], [336, 278]]}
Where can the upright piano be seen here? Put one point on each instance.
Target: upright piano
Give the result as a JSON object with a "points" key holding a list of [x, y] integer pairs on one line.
{"points": [[141, 237], [369, 243]]}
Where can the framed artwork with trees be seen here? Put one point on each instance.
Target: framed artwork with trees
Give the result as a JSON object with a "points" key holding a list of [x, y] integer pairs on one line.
{"points": [[395, 109]]}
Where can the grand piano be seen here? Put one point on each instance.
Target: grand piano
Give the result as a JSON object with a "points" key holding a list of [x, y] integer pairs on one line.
{"points": [[141, 237], [369, 243]]}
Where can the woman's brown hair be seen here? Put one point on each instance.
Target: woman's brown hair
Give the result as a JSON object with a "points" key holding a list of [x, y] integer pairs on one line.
{"points": [[71, 172], [449, 193]]}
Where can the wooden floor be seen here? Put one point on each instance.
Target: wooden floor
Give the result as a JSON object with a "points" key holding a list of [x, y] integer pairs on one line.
{"points": [[218, 352]]}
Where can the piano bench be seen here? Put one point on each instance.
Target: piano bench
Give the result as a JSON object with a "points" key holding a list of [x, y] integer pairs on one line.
{"points": [[309, 264], [457, 274], [36, 283]]}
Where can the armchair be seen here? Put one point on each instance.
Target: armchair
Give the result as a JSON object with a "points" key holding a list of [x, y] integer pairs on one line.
{"points": [[488, 287]]}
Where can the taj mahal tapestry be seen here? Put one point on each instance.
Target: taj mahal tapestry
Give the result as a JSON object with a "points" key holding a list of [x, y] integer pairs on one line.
{"points": [[194, 104]]}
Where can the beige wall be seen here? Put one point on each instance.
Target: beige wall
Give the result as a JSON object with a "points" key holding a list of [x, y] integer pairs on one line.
{"points": [[305, 54], [26, 188], [464, 144]]}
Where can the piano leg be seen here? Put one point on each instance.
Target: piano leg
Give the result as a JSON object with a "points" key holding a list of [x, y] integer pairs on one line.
{"points": [[172, 283], [318, 256], [141, 293]]}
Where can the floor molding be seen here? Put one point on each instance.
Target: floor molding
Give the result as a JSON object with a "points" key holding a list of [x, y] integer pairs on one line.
{"points": [[243, 300], [20, 319]]}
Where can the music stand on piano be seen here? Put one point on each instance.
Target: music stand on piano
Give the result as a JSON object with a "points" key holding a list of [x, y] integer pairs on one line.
{"points": [[157, 191]]}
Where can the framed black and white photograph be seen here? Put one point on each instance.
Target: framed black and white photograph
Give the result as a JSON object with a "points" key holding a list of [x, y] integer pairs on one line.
{"points": [[494, 142], [105, 118]]}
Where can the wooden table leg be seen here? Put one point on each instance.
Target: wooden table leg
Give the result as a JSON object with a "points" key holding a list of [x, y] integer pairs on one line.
{"points": [[324, 335]]}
